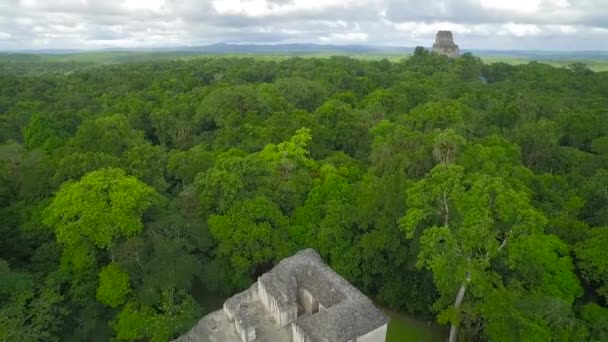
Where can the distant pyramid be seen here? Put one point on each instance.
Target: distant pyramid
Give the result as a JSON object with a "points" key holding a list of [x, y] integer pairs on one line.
{"points": [[444, 45]]}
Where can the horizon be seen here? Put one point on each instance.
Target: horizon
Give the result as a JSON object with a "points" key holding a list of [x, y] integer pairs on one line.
{"points": [[180, 48], [92, 25]]}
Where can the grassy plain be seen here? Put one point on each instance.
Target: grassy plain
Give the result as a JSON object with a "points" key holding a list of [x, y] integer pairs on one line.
{"points": [[597, 65], [73, 61]]}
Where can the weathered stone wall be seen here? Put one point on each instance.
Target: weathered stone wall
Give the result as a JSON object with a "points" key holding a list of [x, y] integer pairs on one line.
{"points": [[308, 302], [298, 334], [282, 317], [231, 305], [246, 333], [233, 308]]}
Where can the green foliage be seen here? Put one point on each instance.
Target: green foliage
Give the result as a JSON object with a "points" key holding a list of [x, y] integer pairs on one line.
{"points": [[596, 318], [100, 208], [290, 155], [437, 115], [397, 149], [24, 175], [538, 142], [129, 189], [468, 67], [147, 162], [302, 93], [114, 286], [107, 134], [28, 313], [469, 222], [447, 146], [253, 233], [593, 260], [185, 165], [48, 133], [175, 314], [544, 265], [75, 165], [233, 177]]}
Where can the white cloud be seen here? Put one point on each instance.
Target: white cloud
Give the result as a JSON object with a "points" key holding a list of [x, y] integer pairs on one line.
{"points": [[525, 6], [507, 24], [153, 5], [349, 37], [519, 30], [264, 8]]}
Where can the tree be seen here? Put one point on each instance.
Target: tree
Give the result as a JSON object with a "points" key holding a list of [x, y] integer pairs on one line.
{"points": [[48, 132], [233, 177], [252, 234], [108, 134], [420, 51], [592, 258], [596, 196], [23, 174], [228, 107], [596, 318], [28, 311], [147, 162], [467, 222], [543, 265], [447, 146], [538, 142], [326, 221], [302, 93], [514, 315], [468, 67], [165, 126], [114, 285], [291, 167], [185, 165], [77, 164], [99, 209], [338, 129], [166, 257], [437, 115], [290, 155], [397, 149], [176, 313], [580, 68]]}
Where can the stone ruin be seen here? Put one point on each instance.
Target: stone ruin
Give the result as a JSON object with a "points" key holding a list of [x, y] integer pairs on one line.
{"points": [[302, 300], [444, 45]]}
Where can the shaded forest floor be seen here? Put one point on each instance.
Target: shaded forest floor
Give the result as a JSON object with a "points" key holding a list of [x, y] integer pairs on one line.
{"points": [[405, 328]]}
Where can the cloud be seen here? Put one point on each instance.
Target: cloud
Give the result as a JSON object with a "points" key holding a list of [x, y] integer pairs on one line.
{"points": [[490, 24], [539, 12], [345, 37]]}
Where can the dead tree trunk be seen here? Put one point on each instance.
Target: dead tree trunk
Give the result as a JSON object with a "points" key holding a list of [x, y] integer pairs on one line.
{"points": [[457, 302]]}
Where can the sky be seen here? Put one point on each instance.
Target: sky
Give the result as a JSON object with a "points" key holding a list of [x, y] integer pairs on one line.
{"points": [[477, 24]]}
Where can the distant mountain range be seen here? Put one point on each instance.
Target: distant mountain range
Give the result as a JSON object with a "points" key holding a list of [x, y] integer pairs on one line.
{"points": [[223, 48], [245, 48]]}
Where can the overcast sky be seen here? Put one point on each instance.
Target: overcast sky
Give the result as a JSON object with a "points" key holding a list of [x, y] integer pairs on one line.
{"points": [[477, 24]]}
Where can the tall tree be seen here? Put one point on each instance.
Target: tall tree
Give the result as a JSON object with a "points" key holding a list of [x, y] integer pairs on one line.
{"points": [[467, 222], [96, 211]]}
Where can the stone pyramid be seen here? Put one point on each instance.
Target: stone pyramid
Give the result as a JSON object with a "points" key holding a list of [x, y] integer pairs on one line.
{"points": [[444, 45]]}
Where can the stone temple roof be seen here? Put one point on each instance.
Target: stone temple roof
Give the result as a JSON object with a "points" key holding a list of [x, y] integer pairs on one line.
{"points": [[444, 44], [347, 312]]}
